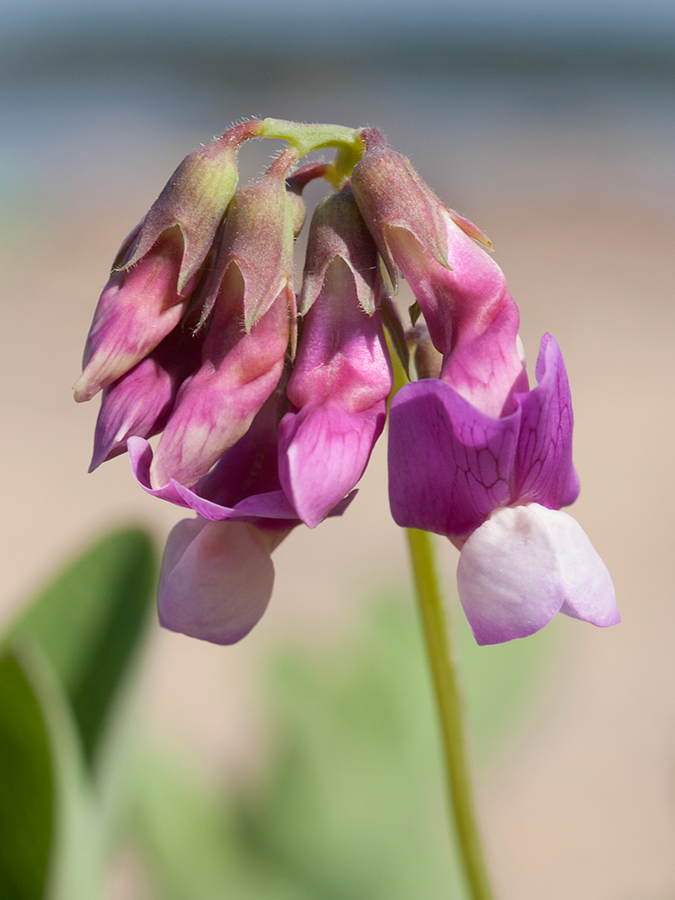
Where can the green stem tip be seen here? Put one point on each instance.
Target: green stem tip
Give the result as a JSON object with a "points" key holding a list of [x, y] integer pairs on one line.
{"points": [[307, 137]]}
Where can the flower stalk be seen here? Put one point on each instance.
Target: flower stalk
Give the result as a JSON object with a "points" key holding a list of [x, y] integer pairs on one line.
{"points": [[448, 698], [450, 712]]}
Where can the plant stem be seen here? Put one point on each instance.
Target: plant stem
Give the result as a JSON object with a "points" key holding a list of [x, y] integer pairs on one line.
{"points": [[448, 700]]}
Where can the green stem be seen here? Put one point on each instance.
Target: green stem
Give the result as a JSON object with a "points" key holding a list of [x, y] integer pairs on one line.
{"points": [[448, 700], [306, 138]]}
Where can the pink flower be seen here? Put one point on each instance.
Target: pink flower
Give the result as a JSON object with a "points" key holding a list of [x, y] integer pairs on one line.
{"points": [[267, 417], [494, 486], [474, 454]]}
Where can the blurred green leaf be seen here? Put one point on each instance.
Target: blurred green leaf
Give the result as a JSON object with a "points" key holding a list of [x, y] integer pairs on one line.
{"points": [[49, 843], [26, 787], [88, 623], [191, 837]]}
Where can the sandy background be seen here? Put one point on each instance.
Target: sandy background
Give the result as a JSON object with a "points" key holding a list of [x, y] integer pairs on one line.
{"points": [[582, 803]]}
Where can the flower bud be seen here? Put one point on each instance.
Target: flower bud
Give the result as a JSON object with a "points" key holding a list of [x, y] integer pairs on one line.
{"points": [[159, 264], [258, 239], [140, 402], [342, 374], [238, 372], [137, 310], [195, 199], [462, 292], [249, 289]]}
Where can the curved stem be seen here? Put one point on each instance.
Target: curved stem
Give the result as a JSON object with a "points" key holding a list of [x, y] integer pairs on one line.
{"points": [[306, 138], [448, 701]]}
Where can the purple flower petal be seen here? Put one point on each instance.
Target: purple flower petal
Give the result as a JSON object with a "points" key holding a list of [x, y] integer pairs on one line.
{"points": [[544, 470], [216, 581], [268, 505], [522, 566], [450, 464], [323, 452]]}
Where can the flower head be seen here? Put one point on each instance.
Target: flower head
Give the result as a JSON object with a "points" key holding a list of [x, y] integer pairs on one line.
{"points": [[268, 407]]}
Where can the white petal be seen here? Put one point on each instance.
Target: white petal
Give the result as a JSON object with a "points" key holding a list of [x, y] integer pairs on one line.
{"points": [[216, 580], [525, 564], [587, 584], [508, 576]]}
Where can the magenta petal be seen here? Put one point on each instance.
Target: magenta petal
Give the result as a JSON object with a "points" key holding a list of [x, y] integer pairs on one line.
{"points": [[272, 505], [140, 457], [525, 564], [266, 505], [544, 470], [449, 464], [138, 403], [323, 452], [216, 581]]}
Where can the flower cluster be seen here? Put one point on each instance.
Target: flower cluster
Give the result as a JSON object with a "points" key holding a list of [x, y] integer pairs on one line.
{"points": [[268, 404]]}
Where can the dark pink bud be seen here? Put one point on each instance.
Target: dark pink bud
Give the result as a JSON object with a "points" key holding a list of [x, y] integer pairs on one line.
{"points": [[138, 308], [471, 316], [195, 199], [342, 374], [140, 402], [391, 194]]}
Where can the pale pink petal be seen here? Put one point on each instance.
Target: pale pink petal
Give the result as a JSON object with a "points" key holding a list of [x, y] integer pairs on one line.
{"points": [[522, 566], [508, 577], [216, 581], [587, 584]]}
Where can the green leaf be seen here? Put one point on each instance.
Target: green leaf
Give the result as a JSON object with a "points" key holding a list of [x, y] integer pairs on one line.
{"points": [[89, 622], [26, 786], [191, 837], [49, 844]]}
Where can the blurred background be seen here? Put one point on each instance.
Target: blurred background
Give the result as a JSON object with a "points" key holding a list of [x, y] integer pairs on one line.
{"points": [[552, 128]]}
